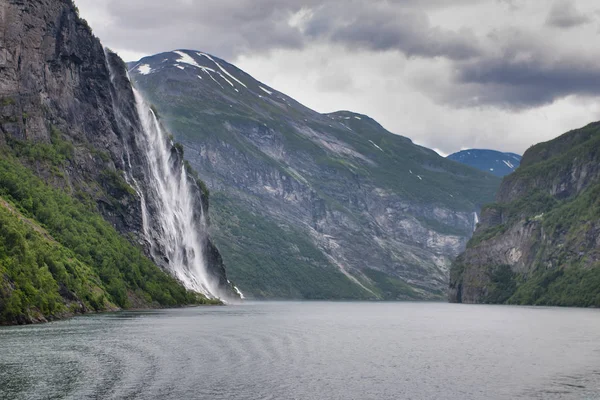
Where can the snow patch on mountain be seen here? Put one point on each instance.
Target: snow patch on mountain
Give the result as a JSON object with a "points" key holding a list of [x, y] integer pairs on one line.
{"points": [[222, 69], [226, 80], [508, 164], [375, 145], [144, 69], [265, 90], [186, 59], [212, 77]]}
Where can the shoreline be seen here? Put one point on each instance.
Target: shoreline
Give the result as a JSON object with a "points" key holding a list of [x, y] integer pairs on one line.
{"points": [[38, 320]]}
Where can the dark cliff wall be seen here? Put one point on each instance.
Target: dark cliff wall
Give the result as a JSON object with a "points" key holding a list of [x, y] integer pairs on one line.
{"points": [[53, 73], [56, 77], [540, 242]]}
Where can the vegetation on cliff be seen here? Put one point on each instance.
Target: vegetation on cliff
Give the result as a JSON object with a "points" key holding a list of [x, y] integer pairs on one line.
{"points": [[548, 217], [59, 256]]}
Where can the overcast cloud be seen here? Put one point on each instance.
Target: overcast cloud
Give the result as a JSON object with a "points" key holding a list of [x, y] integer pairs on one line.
{"points": [[501, 74]]}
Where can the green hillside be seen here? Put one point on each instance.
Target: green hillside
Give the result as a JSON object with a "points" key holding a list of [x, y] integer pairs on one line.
{"points": [[60, 257]]}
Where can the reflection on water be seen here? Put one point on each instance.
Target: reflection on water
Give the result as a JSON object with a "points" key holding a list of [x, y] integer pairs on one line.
{"points": [[311, 350]]}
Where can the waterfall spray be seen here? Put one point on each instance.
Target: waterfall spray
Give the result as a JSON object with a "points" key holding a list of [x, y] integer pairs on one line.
{"points": [[173, 220], [176, 231]]}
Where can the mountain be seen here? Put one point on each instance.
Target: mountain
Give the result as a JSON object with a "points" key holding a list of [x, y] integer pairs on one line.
{"points": [[540, 242], [492, 161], [309, 205], [83, 224]]}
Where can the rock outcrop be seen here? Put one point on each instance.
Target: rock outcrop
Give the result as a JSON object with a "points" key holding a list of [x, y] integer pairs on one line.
{"points": [[540, 242]]}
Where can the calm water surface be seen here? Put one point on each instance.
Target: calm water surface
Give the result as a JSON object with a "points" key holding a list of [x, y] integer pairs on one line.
{"points": [[309, 350]]}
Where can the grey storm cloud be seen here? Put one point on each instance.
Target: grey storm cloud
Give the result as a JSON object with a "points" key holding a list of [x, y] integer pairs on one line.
{"points": [[384, 26], [564, 14], [528, 83], [499, 70], [223, 27], [231, 27], [522, 71]]}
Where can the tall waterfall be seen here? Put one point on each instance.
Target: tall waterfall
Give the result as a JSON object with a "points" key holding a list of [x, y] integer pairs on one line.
{"points": [[177, 228]]}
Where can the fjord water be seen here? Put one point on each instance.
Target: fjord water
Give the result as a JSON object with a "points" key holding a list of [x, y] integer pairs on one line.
{"points": [[308, 350]]}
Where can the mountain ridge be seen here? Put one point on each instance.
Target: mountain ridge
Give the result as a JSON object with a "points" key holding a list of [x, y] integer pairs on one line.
{"points": [[360, 201], [492, 161]]}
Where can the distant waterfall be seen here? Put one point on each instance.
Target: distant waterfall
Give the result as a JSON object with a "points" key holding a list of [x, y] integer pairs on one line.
{"points": [[176, 226], [475, 220]]}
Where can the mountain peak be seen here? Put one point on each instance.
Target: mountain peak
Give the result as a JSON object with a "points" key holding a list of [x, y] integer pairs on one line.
{"points": [[492, 161], [200, 63], [209, 78]]}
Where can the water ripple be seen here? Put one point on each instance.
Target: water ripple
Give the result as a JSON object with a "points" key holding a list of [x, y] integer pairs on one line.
{"points": [[308, 351]]}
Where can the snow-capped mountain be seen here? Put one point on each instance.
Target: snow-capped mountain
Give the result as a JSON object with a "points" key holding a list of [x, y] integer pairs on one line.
{"points": [[492, 161]]}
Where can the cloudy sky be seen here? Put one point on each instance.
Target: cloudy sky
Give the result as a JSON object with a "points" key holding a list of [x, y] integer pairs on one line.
{"points": [[450, 74]]}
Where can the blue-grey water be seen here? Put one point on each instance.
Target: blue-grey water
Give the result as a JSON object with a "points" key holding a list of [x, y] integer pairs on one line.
{"points": [[308, 350]]}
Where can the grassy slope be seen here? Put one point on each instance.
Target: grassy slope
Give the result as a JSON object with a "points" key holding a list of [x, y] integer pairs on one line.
{"points": [[276, 261], [448, 183], [34, 269], [197, 114]]}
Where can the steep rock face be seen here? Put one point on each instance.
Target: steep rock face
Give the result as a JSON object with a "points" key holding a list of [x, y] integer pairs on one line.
{"points": [[55, 79], [308, 205], [540, 242], [54, 74]]}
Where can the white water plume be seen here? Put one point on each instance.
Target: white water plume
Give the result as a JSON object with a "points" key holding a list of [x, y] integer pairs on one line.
{"points": [[176, 227]]}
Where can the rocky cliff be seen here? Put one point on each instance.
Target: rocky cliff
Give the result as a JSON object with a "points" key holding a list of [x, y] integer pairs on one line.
{"points": [[310, 205], [540, 242], [71, 122]]}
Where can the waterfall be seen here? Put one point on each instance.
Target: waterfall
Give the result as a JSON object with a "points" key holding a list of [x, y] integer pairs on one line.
{"points": [[237, 291], [176, 232], [475, 220], [174, 226]]}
